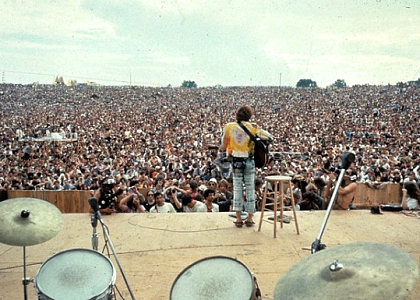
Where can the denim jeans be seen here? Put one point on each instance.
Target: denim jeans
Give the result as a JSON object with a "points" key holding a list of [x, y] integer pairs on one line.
{"points": [[247, 176]]}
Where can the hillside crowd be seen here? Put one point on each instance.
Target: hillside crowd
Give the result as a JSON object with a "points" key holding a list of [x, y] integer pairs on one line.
{"points": [[55, 137]]}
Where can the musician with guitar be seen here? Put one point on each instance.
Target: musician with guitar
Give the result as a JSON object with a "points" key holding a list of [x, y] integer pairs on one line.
{"points": [[242, 141]]}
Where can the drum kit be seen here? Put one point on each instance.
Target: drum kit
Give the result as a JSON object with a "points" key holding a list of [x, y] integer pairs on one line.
{"points": [[65, 275], [351, 271]]}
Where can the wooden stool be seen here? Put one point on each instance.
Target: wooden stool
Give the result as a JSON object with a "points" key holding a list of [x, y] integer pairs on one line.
{"points": [[278, 183]]}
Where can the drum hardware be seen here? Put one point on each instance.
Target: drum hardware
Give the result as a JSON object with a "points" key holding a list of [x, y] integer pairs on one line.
{"points": [[93, 202], [335, 266], [26, 222], [346, 160], [359, 271], [94, 223]]}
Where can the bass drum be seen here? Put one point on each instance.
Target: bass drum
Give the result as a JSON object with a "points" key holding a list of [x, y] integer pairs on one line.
{"points": [[81, 274], [217, 277]]}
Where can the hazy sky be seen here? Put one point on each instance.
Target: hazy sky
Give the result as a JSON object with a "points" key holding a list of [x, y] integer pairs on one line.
{"points": [[244, 42]]}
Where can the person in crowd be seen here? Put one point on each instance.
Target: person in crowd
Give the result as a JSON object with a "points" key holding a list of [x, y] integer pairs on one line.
{"points": [[149, 202], [346, 192], [106, 196], [172, 195], [223, 196], [316, 193], [411, 176], [411, 196], [299, 188], [212, 183], [130, 203], [68, 186], [208, 200], [57, 186], [259, 184], [161, 206], [237, 144], [192, 205]]}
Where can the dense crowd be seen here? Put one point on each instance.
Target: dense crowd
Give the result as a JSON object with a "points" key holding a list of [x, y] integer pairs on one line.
{"points": [[56, 137]]}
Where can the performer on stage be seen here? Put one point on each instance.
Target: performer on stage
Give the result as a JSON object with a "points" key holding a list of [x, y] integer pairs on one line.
{"points": [[237, 144]]}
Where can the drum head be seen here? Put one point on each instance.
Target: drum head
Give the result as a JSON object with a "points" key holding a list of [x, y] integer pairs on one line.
{"points": [[75, 274], [216, 277]]}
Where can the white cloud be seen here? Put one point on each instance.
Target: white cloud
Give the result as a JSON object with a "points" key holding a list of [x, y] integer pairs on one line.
{"points": [[52, 19], [169, 40]]}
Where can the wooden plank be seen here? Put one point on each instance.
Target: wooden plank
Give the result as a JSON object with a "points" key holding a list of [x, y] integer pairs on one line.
{"points": [[366, 196], [77, 201]]}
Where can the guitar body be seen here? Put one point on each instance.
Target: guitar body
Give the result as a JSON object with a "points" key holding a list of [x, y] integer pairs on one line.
{"points": [[261, 153]]}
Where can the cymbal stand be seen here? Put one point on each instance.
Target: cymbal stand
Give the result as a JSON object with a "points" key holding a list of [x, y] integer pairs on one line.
{"points": [[25, 280], [94, 222], [317, 245], [108, 238]]}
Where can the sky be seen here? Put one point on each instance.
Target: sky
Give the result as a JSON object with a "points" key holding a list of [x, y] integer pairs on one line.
{"points": [[213, 42]]}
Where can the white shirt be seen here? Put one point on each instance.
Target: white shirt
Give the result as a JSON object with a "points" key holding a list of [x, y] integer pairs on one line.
{"points": [[165, 208], [198, 207]]}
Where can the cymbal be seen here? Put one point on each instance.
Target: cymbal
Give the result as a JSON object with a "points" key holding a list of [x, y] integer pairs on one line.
{"points": [[28, 221], [353, 271]]}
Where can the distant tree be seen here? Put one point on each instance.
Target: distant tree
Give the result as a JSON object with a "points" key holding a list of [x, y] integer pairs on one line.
{"points": [[59, 80], [306, 83], [72, 82], [189, 84], [218, 86], [339, 83]]}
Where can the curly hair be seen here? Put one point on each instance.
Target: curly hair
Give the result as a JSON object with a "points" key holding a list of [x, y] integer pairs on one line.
{"points": [[244, 113], [413, 190]]}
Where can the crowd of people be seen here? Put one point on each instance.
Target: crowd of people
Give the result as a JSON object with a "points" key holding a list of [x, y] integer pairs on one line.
{"points": [[55, 137]]}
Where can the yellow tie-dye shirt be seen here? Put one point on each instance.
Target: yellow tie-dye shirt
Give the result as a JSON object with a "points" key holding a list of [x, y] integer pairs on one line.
{"points": [[237, 142]]}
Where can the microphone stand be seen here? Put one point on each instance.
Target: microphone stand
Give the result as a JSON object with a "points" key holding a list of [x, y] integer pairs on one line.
{"points": [[94, 223], [317, 245], [98, 216], [346, 160]]}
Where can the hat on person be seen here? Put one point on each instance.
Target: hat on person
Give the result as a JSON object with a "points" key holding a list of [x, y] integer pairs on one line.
{"points": [[213, 180], [202, 188]]}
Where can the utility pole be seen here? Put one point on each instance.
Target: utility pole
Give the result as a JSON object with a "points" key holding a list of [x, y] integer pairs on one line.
{"points": [[279, 81], [2, 77]]}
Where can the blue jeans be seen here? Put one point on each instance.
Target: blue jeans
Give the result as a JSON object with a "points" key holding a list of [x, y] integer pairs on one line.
{"points": [[247, 176]]}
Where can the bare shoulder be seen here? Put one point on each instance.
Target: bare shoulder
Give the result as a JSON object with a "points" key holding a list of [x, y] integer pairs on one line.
{"points": [[351, 187]]}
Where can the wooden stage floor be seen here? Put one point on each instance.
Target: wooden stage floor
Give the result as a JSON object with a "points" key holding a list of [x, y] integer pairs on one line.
{"points": [[154, 248]]}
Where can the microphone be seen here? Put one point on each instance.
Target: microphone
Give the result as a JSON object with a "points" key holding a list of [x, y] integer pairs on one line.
{"points": [[347, 159], [93, 202]]}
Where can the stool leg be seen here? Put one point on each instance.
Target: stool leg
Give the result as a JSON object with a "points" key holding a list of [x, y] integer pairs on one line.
{"points": [[293, 207], [276, 193], [263, 206], [281, 203]]}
